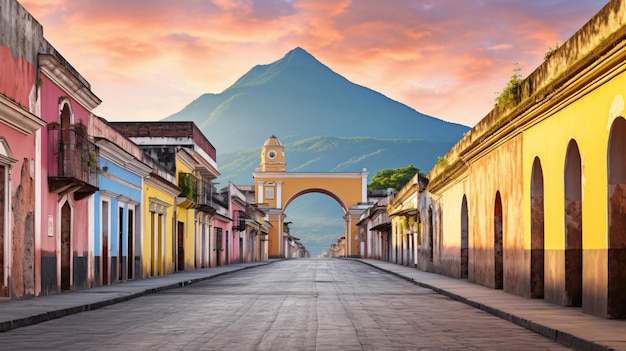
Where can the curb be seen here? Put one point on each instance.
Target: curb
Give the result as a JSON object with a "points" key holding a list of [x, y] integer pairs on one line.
{"points": [[50, 315], [567, 339]]}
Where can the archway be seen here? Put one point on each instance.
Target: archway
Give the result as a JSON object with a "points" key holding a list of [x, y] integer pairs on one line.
{"points": [[275, 188], [316, 219], [464, 239], [536, 231], [616, 304], [498, 256], [573, 227]]}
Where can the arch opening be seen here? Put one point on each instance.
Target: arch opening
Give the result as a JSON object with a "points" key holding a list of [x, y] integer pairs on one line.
{"points": [[307, 214], [498, 256], [616, 303], [573, 226], [537, 226], [464, 239]]}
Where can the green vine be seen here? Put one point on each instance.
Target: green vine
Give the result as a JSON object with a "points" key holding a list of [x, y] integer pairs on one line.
{"points": [[551, 51], [442, 162], [511, 95]]}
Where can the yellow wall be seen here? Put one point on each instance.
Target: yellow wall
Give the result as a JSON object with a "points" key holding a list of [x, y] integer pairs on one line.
{"points": [[587, 121], [187, 217], [163, 265]]}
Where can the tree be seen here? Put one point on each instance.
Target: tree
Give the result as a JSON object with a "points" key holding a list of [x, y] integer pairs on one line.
{"points": [[393, 178]]}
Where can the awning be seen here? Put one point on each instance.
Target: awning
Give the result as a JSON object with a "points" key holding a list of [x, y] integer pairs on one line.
{"points": [[381, 227]]}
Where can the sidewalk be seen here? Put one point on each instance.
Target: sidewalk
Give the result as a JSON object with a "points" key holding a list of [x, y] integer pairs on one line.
{"points": [[568, 326], [21, 313]]}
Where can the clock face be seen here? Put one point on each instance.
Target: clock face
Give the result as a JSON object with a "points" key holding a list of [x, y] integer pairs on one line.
{"points": [[271, 154]]}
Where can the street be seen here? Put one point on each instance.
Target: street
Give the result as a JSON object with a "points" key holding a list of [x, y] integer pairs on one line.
{"points": [[306, 304]]}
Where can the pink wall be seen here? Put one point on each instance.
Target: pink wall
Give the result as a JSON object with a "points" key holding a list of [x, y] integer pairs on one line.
{"points": [[17, 77], [235, 253]]}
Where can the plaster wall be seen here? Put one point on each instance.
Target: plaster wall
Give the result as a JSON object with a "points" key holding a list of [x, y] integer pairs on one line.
{"points": [[500, 170], [587, 121], [448, 257]]}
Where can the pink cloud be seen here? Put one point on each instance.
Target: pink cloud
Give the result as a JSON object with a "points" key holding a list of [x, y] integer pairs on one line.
{"points": [[445, 58]]}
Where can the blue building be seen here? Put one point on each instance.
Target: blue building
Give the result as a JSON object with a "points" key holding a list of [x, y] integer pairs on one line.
{"points": [[117, 207]]}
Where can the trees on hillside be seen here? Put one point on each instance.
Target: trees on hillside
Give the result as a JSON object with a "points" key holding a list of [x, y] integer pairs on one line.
{"points": [[393, 178]]}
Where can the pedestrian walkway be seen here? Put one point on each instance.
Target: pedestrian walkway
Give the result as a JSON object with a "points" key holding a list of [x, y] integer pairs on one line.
{"points": [[21, 313], [568, 326]]}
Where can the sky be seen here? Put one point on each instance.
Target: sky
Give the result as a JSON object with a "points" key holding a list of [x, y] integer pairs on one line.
{"points": [[147, 59]]}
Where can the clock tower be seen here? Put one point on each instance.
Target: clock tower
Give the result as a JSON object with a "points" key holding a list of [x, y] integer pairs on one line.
{"points": [[273, 156]]}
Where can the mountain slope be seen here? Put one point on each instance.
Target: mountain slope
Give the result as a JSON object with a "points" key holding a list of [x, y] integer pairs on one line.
{"points": [[298, 97]]}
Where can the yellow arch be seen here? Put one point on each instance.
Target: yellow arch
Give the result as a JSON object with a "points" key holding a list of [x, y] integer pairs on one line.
{"points": [[276, 190]]}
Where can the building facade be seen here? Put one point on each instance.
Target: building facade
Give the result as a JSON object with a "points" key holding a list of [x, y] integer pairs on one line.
{"points": [[531, 199]]}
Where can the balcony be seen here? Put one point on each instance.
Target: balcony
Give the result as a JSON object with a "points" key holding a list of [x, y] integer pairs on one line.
{"points": [[239, 222], [205, 198], [188, 197], [72, 161]]}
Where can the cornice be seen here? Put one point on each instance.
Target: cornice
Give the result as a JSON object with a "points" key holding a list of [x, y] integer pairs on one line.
{"points": [[588, 74], [112, 152], [62, 77], [17, 117]]}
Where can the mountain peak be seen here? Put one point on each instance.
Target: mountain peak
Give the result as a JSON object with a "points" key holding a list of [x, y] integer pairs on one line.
{"points": [[297, 59], [298, 56]]}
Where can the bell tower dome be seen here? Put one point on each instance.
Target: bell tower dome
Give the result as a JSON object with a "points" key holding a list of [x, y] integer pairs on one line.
{"points": [[273, 156]]}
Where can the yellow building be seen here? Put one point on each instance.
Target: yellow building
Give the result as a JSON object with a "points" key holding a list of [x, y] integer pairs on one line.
{"points": [[159, 201], [403, 212], [535, 191], [185, 210], [276, 188]]}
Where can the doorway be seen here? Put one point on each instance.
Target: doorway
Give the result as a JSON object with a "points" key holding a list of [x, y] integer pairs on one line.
{"points": [[536, 231], [498, 249], [616, 305], [464, 239], [573, 218], [181, 246], [66, 254]]}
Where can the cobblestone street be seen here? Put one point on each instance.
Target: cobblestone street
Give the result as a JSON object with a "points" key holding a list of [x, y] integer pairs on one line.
{"points": [[289, 305]]}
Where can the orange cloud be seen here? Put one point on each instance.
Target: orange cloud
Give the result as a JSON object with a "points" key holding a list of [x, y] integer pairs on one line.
{"points": [[149, 58]]}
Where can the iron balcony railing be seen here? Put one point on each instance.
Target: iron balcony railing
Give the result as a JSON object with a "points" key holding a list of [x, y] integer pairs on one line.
{"points": [[206, 193], [72, 159]]}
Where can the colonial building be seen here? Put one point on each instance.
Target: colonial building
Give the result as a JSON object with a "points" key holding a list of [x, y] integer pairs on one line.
{"points": [[20, 154], [531, 200], [117, 245], [185, 151]]}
